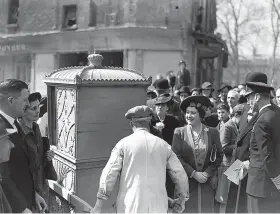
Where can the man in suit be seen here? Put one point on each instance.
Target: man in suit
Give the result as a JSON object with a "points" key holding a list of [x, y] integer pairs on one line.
{"points": [[263, 183], [18, 183]]}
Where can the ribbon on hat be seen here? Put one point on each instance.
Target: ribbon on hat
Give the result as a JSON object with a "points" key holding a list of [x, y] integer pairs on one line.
{"points": [[198, 105]]}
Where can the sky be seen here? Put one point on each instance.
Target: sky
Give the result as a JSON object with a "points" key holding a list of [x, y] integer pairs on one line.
{"points": [[260, 16]]}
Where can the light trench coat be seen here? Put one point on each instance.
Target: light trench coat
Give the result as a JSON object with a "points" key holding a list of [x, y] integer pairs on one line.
{"points": [[140, 162]]}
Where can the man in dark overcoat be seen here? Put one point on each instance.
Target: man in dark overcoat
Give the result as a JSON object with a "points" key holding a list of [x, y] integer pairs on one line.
{"points": [[17, 180], [263, 183]]}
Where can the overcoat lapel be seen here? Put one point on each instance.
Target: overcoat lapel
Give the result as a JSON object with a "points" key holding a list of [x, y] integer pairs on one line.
{"points": [[16, 138]]}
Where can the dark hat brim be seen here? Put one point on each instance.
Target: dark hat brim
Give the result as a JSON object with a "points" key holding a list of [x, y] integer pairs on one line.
{"points": [[162, 100], [259, 84], [201, 89], [204, 101], [226, 86], [247, 93]]}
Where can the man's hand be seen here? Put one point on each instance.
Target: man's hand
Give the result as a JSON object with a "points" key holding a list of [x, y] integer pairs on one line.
{"points": [[40, 203], [27, 211], [245, 165], [98, 206], [200, 177], [178, 205]]}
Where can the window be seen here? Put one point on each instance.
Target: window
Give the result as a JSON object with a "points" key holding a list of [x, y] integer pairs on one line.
{"points": [[70, 17], [13, 11]]}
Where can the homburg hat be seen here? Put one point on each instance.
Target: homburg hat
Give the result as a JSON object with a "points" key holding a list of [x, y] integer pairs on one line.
{"points": [[195, 101]]}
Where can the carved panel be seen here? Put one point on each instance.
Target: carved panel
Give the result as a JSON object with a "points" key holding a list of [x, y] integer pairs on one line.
{"points": [[66, 175], [65, 120]]}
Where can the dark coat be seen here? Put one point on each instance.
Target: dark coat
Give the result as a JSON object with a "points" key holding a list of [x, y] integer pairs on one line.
{"points": [[183, 149], [264, 153], [4, 204], [18, 183], [228, 135], [183, 79], [170, 124]]}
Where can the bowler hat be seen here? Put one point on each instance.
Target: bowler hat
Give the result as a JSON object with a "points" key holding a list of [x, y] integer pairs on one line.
{"points": [[258, 80], [139, 112], [195, 101], [224, 85], [161, 84], [184, 89], [206, 86], [4, 131], [162, 99]]}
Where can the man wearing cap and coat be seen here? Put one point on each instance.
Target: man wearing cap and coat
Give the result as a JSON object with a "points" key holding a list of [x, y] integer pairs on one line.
{"points": [[183, 76], [263, 183], [140, 161]]}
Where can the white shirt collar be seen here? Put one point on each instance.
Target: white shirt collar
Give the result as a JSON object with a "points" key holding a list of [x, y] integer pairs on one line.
{"points": [[264, 107], [9, 119]]}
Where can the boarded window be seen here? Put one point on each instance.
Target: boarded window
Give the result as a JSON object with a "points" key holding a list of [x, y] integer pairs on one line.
{"points": [[13, 11], [70, 17]]}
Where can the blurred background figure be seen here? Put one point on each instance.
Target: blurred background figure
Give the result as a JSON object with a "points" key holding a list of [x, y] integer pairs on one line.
{"points": [[184, 92], [195, 92], [151, 94], [172, 80], [223, 91], [183, 75]]}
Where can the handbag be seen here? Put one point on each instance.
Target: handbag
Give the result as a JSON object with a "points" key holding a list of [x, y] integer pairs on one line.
{"points": [[49, 169]]}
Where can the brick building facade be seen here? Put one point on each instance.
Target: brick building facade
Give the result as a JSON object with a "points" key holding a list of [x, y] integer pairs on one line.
{"points": [[38, 36]]}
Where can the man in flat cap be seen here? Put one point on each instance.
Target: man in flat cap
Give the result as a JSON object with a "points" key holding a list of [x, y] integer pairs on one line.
{"points": [[263, 183], [140, 160]]}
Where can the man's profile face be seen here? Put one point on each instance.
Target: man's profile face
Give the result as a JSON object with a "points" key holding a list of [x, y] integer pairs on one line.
{"points": [[19, 103], [278, 97]]}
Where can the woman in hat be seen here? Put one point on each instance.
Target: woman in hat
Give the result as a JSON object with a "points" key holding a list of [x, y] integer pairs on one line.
{"points": [[207, 90], [39, 151], [223, 91], [5, 148], [200, 151], [195, 92], [165, 124]]}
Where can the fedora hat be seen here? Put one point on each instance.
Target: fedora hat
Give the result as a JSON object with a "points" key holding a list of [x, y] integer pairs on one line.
{"points": [[195, 101], [4, 131], [256, 80], [206, 86]]}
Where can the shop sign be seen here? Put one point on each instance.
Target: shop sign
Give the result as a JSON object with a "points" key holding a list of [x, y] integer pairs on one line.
{"points": [[13, 48]]}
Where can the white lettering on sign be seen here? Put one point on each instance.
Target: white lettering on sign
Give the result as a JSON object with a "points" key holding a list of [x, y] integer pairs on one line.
{"points": [[18, 47]]}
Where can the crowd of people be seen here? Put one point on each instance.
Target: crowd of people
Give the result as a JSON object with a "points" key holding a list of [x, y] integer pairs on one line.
{"points": [[206, 135], [183, 142]]}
